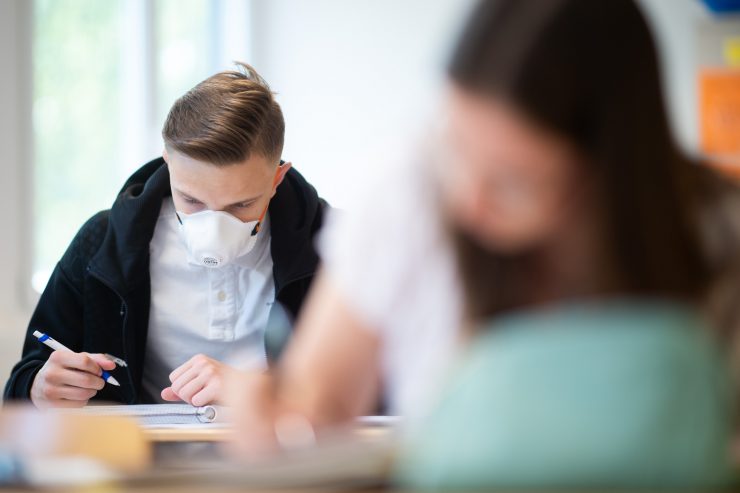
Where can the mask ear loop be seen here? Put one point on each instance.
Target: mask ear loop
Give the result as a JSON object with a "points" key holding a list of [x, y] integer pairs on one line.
{"points": [[258, 226]]}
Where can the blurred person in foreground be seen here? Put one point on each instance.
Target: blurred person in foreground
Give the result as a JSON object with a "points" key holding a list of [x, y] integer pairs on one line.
{"points": [[559, 248]]}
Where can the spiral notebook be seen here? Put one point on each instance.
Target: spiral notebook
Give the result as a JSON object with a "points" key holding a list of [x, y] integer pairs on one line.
{"points": [[156, 415]]}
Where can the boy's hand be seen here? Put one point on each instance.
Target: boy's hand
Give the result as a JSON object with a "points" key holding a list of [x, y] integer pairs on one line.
{"points": [[198, 382], [69, 379]]}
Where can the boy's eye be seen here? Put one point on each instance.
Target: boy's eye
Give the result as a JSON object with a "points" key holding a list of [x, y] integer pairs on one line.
{"points": [[192, 201], [243, 205]]}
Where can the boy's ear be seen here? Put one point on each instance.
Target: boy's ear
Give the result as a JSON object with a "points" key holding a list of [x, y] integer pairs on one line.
{"points": [[282, 170], [165, 156]]}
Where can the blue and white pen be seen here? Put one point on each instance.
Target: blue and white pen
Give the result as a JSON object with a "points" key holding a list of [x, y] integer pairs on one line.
{"points": [[58, 346]]}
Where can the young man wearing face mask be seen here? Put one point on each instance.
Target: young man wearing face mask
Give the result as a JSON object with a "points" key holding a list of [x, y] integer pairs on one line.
{"points": [[182, 273]]}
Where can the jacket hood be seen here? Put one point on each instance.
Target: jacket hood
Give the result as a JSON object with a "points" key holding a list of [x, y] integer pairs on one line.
{"points": [[123, 258]]}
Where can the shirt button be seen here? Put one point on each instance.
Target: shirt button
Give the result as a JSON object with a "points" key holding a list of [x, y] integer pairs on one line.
{"points": [[221, 296]]}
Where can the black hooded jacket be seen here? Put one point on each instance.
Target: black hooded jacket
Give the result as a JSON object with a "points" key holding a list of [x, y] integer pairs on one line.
{"points": [[98, 297]]}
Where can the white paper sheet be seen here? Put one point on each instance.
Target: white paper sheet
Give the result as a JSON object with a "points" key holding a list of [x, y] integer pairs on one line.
{"points": [[161, 414]]}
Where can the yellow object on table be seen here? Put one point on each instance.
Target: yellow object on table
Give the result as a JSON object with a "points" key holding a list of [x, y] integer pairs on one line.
{"points": [[117, 442]]}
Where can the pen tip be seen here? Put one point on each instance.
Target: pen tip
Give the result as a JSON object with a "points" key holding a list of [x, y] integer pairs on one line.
{"points": [[113, 381]]}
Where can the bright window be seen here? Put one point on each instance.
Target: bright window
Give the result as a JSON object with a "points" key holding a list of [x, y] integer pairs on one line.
{"points": [[104, 76]]}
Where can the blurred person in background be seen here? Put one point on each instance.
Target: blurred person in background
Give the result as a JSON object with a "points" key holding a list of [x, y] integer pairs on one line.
{"points": [[557, 249], [185, 268]]}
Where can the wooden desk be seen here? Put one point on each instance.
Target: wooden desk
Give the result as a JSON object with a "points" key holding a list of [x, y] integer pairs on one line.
{"points": [[202, 434], [222, 433], [172, 458], [178, 488]]}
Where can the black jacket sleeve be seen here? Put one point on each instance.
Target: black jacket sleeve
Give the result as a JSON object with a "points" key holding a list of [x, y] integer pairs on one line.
{"points": [[59, 312]]}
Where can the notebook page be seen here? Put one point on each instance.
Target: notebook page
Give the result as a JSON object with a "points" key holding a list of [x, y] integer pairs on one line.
{"points": [[159, 414]]}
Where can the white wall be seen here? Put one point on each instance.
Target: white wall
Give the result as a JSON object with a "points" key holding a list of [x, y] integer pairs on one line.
{"points": [[675, 23], [355, 79]]}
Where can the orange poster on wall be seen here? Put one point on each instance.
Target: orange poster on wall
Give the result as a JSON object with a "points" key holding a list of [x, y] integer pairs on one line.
{"points": [[719, 113]]}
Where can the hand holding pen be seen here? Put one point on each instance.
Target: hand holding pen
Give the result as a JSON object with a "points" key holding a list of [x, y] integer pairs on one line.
{"points": [[69, 379]]}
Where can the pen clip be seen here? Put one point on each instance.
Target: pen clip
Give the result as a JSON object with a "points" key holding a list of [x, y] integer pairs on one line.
{"points": [[116, 360]]}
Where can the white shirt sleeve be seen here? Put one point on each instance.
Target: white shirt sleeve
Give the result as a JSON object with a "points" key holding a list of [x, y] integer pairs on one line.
{"points": [[377, 251], [391, 261]]}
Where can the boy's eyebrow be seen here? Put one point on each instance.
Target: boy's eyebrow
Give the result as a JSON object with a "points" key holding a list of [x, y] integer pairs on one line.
{"points": [[245, 201], [186, 195]]}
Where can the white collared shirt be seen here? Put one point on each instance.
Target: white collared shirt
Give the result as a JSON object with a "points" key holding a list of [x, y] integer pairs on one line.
{"points": [[219, 312]]}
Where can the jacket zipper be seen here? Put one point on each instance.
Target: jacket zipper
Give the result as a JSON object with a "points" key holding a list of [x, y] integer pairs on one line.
{"points": [[123, 313]]}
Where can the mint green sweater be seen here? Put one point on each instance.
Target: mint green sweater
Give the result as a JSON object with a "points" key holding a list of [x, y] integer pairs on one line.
{"points": [[610, 394]]}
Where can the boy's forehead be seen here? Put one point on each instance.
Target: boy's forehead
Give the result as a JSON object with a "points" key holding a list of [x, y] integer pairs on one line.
{"points": [[173, 156], [231, 182]]}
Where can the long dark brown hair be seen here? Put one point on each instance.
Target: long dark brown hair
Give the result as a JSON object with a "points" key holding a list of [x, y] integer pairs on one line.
{"points": [[588, 71]]}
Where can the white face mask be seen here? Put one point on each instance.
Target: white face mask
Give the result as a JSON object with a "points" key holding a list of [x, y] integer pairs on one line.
{"points": [[216, 238]]}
